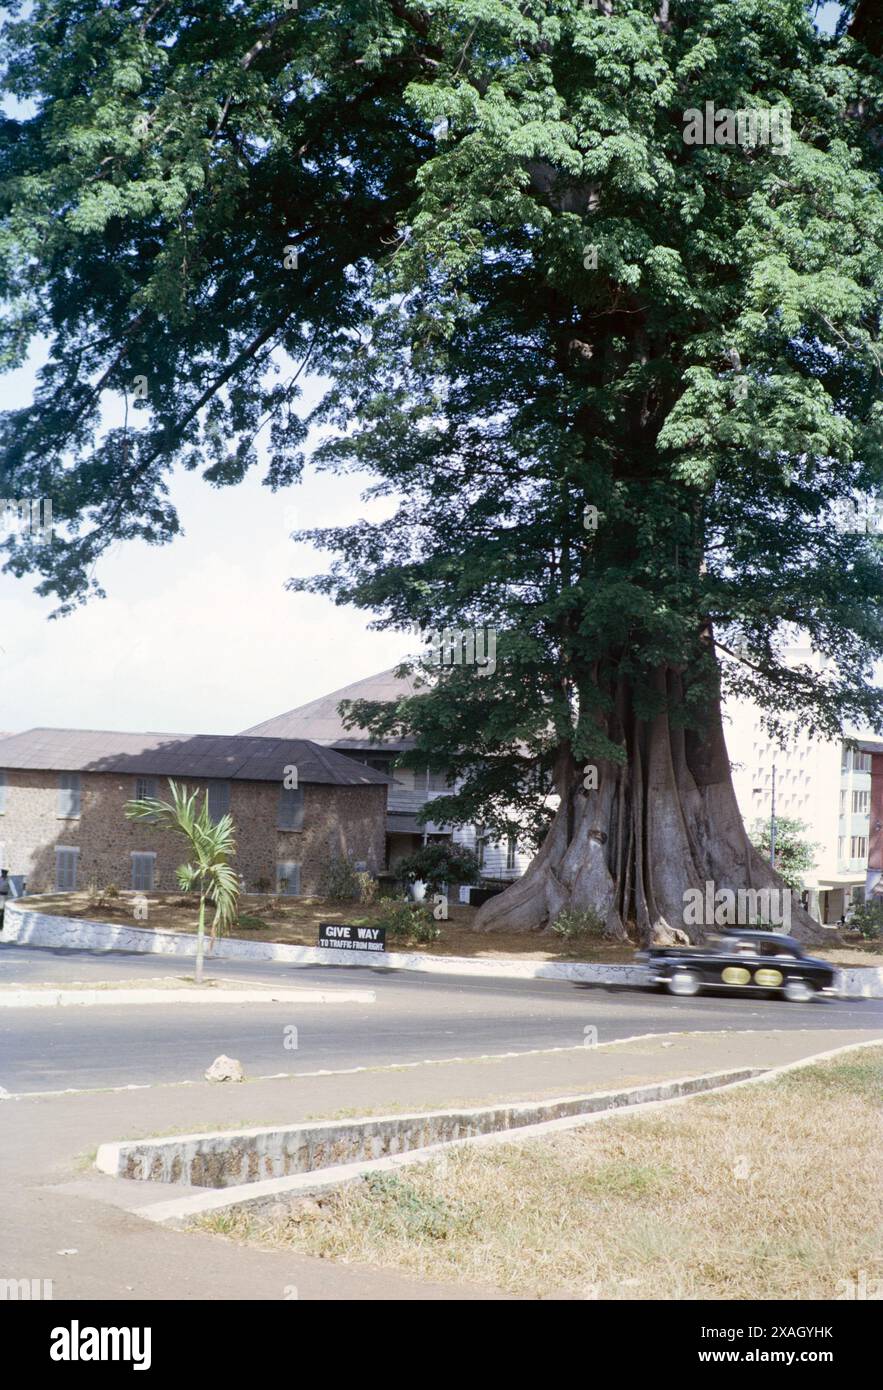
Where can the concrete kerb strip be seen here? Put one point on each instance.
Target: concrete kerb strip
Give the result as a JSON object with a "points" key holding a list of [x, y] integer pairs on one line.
{"points": [[29, 928], [53, 998], [180, 1154], [185, 1209]]}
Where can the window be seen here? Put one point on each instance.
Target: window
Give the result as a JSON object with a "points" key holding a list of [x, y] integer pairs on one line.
{"points": [[776, 948], [145, 788], [861, 803], [858, 847], [843, 795], [862, 762], [379, 762], [66, 869], [3, 786], [480, 844], [841, 847], [288, 879], [291, 809], [143, 865], [846, 760], [218, 799], [511, 851], [68, 794]]}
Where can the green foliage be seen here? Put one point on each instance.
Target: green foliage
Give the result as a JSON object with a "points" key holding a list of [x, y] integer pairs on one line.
{"points": [[341, 881], [211, 844], [867, 918], [247, 922], [577, 924], [712, 387], [367, 885], [404, 1211], [795, 856], [408, 922], [439, 863]]}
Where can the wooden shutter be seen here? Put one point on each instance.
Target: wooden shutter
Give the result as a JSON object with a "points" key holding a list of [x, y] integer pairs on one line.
{"points": [[291, 809], [68, 794], [66, 869]]}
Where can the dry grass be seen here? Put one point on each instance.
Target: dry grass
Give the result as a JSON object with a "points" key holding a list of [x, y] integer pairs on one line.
{"points": [[768, 1192], [295, 922]]}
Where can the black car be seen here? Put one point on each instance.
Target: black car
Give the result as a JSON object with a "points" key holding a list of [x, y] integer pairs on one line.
{"points": [[741, 959]]}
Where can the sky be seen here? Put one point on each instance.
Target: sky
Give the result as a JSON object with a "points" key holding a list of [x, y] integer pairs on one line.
{"points": [[199, 636]]}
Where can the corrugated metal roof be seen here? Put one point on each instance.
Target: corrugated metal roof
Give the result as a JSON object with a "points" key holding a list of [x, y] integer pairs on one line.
{"points": [[233, 756], [319, 720]]}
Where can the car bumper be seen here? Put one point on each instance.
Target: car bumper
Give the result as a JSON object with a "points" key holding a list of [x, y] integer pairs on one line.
{"points": [[658, 977]]}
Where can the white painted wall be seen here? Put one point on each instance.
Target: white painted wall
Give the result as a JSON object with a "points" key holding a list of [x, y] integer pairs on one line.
{"points": [[810, 784]]}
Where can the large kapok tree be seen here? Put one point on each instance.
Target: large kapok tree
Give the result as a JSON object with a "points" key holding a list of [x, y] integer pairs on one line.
{"points": [[614, 384]]}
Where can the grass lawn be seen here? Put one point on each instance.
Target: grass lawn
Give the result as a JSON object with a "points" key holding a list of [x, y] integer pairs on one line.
{"points": [[295, 922], [771, 1191]]}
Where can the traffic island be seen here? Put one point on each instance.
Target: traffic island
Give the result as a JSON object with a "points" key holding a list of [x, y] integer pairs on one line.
{"points": [[729, 1195]]}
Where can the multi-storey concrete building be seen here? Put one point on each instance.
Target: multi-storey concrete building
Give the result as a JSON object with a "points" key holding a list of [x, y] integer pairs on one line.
{"points": [[821, 782], [872, 750], [63, 794]]}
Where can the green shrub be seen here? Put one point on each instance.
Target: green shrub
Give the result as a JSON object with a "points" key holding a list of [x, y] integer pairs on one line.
{"points": [[440, 863], [867, 918], [575, 924], [342, 882], [367, 887], [408, 922], [402, 1210], [250, 923]]}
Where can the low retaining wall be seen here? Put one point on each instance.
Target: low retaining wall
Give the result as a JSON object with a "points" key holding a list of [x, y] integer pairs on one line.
{"points": [[41, 929], [228, 1159]]}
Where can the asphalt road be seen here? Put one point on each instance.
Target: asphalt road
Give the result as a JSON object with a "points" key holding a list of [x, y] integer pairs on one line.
{"points": [[415, 1017]]}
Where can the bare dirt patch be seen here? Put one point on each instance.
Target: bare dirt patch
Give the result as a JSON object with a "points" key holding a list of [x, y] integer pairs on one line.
{"points": [[295, 922]]}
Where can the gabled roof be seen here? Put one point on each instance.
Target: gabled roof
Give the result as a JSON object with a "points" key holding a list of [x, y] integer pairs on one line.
{"points": [[233, 756], [319, 720]]}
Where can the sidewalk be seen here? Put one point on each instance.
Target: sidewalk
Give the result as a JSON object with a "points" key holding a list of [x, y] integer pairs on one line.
{"points": [[51, 1199]]}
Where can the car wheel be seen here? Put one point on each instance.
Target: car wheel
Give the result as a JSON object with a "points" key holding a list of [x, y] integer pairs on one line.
{"points": [[684, 982], [798, 991]]}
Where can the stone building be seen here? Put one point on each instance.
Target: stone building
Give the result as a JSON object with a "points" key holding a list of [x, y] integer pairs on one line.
{"points": [[63, 794], [410, 790]]}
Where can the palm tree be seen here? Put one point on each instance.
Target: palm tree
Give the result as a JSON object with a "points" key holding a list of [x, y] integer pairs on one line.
{"points": [[212, 846]]}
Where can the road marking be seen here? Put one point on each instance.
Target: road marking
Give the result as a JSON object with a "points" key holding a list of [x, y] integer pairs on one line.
{"points": [[409, 1066]]}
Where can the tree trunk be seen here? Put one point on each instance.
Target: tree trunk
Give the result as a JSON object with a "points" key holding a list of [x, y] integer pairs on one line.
{"points": [[665, 822], [200, 939]]}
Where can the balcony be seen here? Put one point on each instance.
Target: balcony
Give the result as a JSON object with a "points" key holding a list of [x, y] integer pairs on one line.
{"points": [[403, 800]]}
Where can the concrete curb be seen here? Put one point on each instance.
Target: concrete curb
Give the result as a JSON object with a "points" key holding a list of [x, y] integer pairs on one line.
{"points": [[305, 1184], [29, 928], [146, 1160], [55, 998]]}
